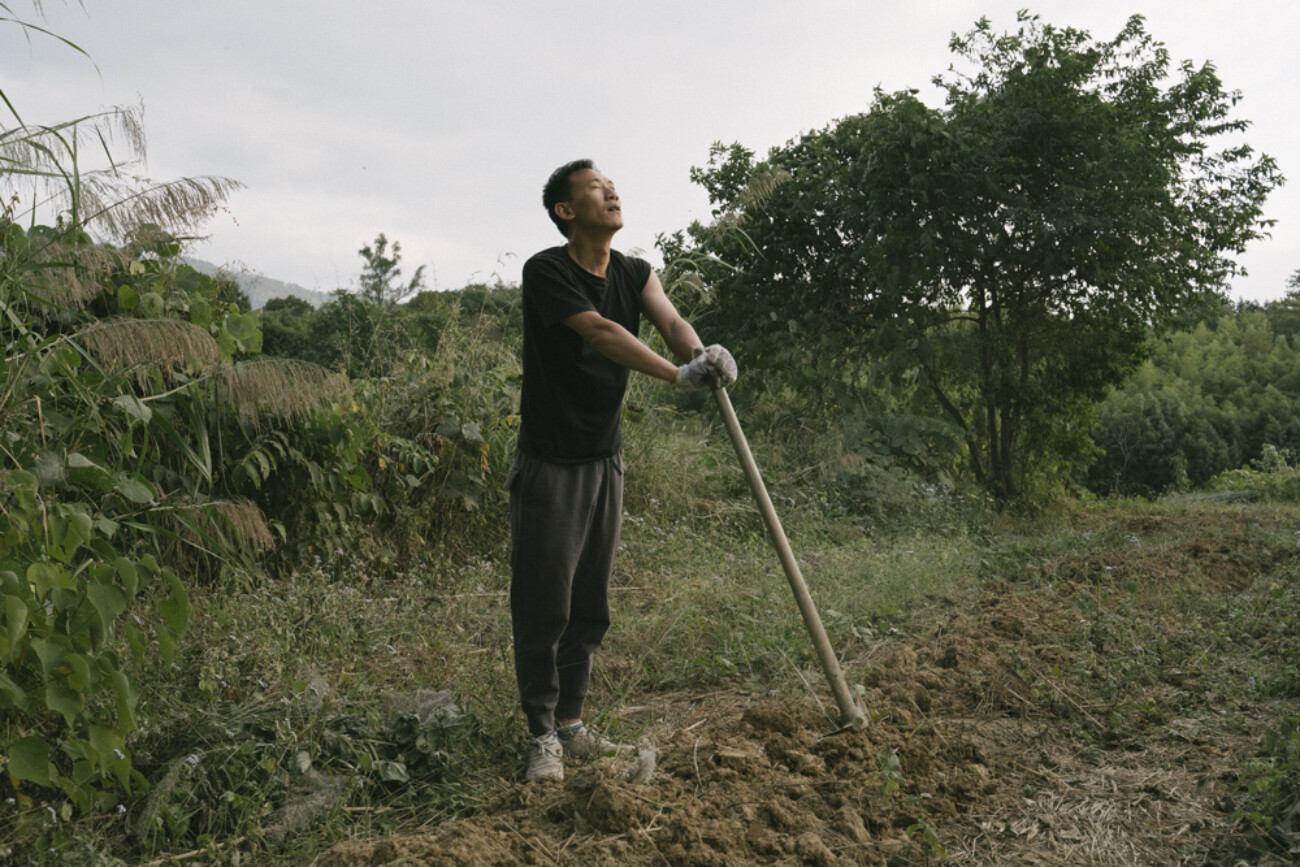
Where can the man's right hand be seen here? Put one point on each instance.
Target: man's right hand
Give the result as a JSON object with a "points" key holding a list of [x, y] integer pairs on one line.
{"points": [[711, 366]]}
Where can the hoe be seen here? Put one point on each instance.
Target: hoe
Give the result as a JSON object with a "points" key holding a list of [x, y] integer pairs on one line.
{"points": [[851, 715]]}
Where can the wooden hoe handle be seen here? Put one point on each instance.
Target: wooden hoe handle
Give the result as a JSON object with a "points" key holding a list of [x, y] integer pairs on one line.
{"points": [[851, 715]]}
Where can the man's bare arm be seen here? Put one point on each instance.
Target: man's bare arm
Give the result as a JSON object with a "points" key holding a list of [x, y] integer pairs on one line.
{"points": [[621, 346], [676, 331]]}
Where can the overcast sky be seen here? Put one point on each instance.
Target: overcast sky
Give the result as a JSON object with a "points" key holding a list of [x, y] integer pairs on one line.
{"points": [[437, 122]]}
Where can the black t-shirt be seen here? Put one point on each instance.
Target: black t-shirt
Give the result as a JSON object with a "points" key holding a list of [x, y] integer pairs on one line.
{"points": [[572, 395]]}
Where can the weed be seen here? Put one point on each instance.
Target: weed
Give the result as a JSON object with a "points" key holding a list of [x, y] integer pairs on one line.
{"points": [[926, 835], [1270, 784], [889, 772]]}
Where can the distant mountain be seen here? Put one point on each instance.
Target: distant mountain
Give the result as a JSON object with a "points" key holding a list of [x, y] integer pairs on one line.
{"points": [[261, 289]]}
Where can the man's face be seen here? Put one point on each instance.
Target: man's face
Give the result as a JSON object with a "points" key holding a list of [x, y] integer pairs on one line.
{"points": [[593, 202]]}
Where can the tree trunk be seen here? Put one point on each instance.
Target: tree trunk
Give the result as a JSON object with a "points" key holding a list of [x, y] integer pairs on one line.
{"points": [[990, 330], [953, 412]]}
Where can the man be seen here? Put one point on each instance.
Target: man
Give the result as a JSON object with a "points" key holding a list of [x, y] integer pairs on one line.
{"points": [[582, 307]]}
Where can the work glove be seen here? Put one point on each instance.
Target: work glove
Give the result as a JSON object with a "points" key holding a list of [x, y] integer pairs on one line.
{"points": [[710, 366]]}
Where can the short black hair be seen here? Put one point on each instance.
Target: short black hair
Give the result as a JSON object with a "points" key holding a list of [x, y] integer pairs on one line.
{"points": [[558, 189]]}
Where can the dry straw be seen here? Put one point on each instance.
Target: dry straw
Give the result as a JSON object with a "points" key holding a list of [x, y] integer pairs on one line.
{"points": [[41, 152], [229, 525], [124, 344], [244, 519], [118, 209], [760, 187], [280, 387], [58, 277]]}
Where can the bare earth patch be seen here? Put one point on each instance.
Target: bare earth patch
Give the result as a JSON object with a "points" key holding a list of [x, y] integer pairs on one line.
{"points": [[995, 742]]}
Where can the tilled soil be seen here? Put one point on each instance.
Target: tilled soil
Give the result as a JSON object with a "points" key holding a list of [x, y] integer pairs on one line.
{"points": [[987, 746]]}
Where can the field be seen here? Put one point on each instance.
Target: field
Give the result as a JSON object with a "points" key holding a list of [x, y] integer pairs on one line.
{"points": [[1109, 684], [1095, 694]]}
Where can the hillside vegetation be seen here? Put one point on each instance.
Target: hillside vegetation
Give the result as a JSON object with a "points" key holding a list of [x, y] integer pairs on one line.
{"points": [[258, 288]]}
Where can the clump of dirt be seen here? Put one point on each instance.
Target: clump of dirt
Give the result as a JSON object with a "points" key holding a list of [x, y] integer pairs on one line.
{"points": [[766, 782]]}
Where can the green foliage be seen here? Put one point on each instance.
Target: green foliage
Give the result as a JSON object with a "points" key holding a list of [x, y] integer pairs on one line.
{"points": [[928, 837], [449, 427], [117, 478], [286, 328], [424, 446], [1273, 476], [83, 594], [152, 459], [497, 311], [1271, 782], [1211, 400], [65, 690], [277, 771], [360, 334], [889, 772], [352, 334], [1005, 256], [379, 277], [421, 451], [117, 387], [145, 279], [1284, 314]]}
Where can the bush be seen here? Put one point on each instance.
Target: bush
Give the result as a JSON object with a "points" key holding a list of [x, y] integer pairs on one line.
{"points": [[1273, 476]]}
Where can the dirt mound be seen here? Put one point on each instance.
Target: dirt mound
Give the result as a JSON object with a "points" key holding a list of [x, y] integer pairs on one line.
{"points": [[961, 750], [764, 783]]}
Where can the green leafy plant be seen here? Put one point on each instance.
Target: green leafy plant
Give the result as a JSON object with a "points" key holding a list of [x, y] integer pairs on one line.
{"points": [[889, 772], [1274, 475], [1271, 783], [924, 833], [65, 640], [118, 388]]}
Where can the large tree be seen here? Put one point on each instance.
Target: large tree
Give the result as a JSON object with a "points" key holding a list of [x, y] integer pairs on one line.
{"points": [[1010, 251]]}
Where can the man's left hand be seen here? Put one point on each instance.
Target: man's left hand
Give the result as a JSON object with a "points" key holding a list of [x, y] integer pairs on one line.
{"points": [[711, 366]]}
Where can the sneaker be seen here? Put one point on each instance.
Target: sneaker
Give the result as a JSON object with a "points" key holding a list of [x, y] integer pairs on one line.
{"points": [[544, 759], [581, 742]]}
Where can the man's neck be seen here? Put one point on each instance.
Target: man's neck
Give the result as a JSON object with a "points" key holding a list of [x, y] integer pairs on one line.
{"points": [[592, 253]]}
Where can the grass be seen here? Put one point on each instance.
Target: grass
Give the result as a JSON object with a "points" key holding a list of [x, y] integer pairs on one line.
{"points": [[340, 702]]}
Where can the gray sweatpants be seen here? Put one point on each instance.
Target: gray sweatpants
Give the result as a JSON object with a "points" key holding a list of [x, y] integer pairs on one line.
{"points": [[564, 530]]}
